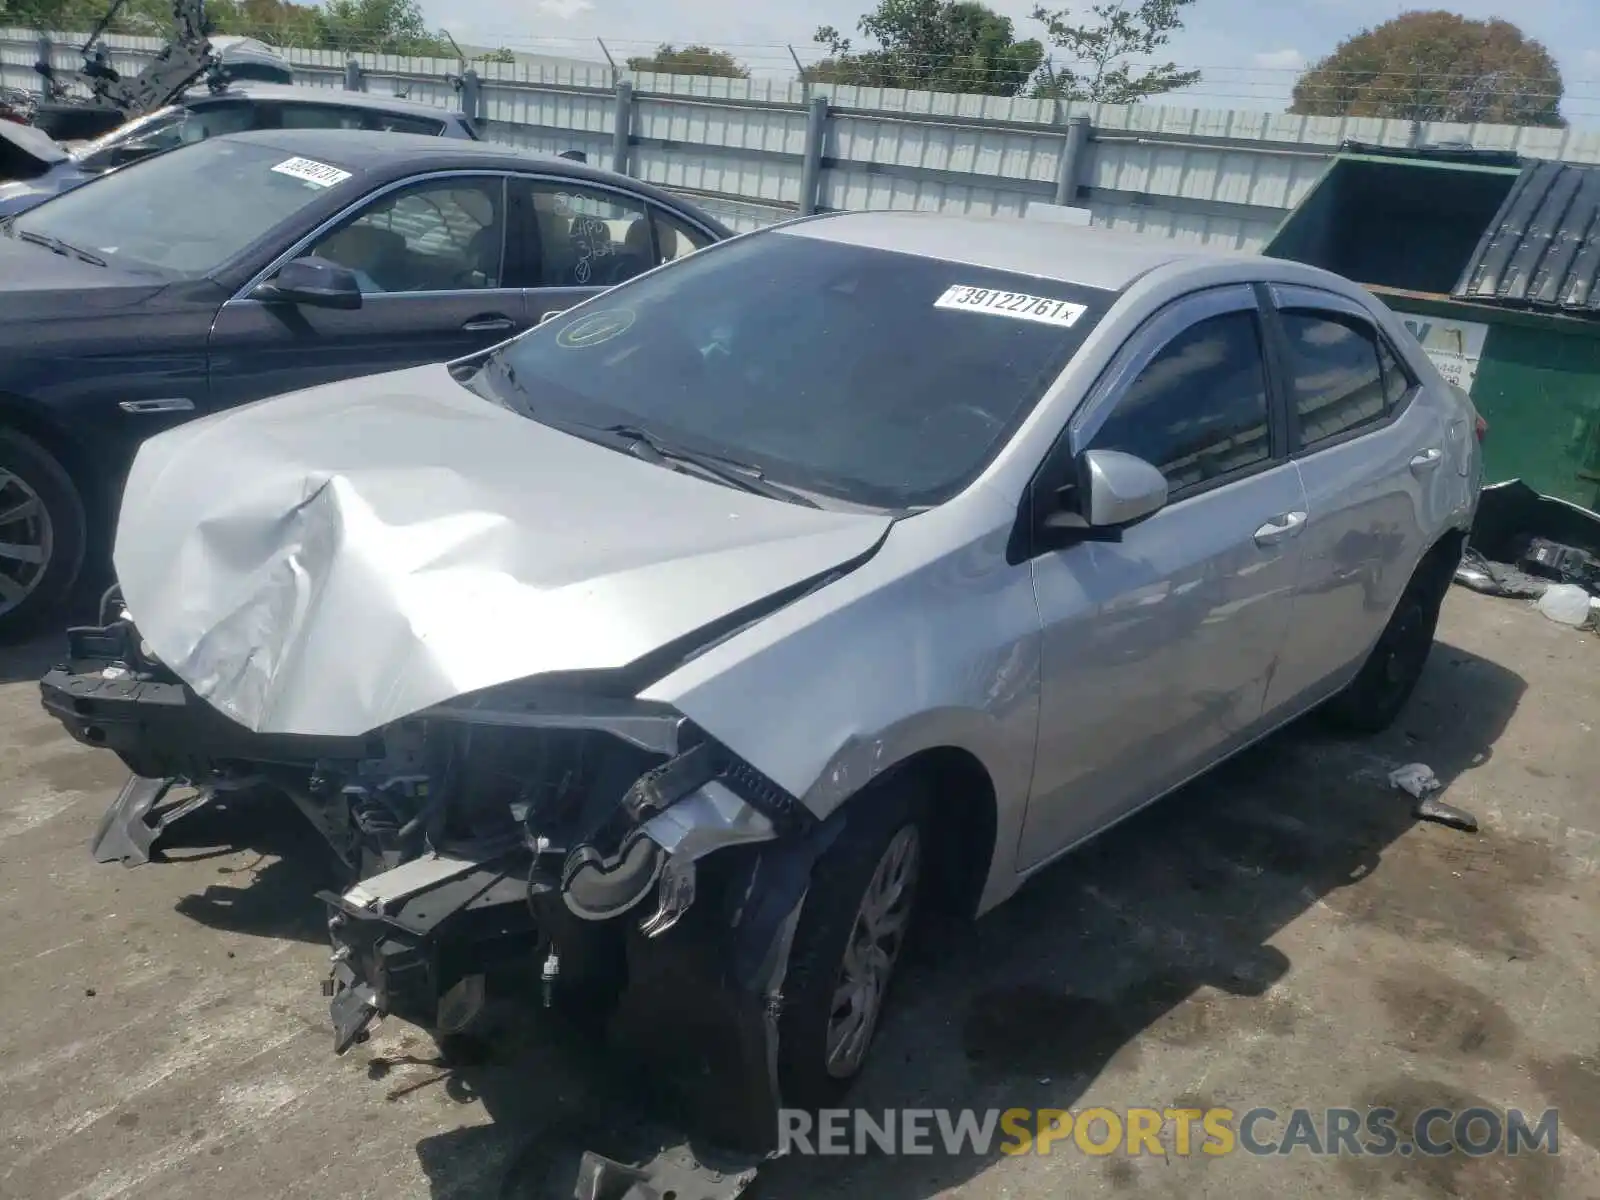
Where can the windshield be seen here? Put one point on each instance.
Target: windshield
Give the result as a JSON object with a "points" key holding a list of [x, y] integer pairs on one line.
{"points": [[874, 377], [163, 215]]}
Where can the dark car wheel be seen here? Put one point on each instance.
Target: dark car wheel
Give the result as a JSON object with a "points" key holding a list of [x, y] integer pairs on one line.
{"points": [[1386, 680], [42, 532], [852, 928]]}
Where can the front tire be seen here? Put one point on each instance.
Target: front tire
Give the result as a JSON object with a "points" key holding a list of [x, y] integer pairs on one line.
{"points": [[43, 532], [1380, 690], [854, 924]]}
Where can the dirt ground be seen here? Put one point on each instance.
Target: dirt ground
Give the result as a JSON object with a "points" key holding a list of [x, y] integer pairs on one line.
{"points": [[1283, 934]]}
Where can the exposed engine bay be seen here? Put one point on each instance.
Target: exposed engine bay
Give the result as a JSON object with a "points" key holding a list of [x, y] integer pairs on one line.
{"points": [[640, 867]]}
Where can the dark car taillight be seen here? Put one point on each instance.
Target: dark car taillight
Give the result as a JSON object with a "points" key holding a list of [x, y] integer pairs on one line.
{"points": [[1480, 427]]}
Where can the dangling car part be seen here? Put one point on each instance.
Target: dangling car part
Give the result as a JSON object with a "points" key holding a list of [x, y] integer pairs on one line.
{"points": [[679, 649], [113, 98]]}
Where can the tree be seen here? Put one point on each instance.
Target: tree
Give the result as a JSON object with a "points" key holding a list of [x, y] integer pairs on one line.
{"points": [[691, 60], [931, 45], [1109, 52], [1436, 66], [387, 26]]}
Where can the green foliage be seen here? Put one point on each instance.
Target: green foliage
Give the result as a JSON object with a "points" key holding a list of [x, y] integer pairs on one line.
{"points": [[691, 60], [931, 45], [1100, 50], [1436, 66], [387, 26]]}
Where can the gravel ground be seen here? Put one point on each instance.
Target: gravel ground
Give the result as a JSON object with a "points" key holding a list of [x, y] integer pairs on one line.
{"points": [[1282, 934]]}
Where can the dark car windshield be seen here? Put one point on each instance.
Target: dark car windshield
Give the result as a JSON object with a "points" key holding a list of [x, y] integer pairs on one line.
{"points": [[184, 214], [875, 377]]}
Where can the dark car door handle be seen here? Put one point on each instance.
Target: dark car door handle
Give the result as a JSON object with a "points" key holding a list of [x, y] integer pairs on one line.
{"points": [[488, 323]]}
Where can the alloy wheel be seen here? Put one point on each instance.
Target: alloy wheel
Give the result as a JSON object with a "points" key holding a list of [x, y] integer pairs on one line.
{"points": [[26, 540], [882, 921]]}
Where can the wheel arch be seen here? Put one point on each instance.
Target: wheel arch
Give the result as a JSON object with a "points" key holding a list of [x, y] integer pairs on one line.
{"points": [[30, 419], [961, 819]]}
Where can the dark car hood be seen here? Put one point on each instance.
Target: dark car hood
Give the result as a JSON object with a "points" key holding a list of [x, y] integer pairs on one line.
{"points": [[38, 284], [21, 195], [336, 559]]}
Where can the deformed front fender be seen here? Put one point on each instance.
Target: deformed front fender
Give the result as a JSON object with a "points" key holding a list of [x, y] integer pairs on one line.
{"points": [[915, 650]]}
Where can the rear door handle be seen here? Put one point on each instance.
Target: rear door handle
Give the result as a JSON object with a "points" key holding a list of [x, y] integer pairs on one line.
{"points": [[1279, 528], [1427, 460], [489, 323]]}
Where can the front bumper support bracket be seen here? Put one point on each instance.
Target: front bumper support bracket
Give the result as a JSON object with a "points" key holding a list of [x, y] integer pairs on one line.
{"points": [[127, 833]]}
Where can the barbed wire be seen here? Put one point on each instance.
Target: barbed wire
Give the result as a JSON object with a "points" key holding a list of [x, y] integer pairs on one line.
{"points": [[1427, 92]]}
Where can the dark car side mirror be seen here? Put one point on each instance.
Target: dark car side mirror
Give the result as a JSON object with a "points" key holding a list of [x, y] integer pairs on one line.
{"points": [[314, 282], [1111, 492]]}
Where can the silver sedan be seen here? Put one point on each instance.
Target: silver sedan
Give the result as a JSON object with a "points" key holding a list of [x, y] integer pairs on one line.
{"points": [[864, 563]]}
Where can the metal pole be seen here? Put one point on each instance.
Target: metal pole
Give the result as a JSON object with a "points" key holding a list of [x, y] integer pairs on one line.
{"points": [[1070, 165], [811, 165], [800, 74], [622, 132], [615, 74], [46, 64]]}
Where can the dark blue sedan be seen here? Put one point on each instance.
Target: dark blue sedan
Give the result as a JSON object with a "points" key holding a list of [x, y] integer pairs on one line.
{"points": [[259, 263]]}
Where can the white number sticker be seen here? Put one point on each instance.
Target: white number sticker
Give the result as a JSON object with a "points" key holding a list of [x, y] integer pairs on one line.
{"points": [[1011, 304], [310, 171]]}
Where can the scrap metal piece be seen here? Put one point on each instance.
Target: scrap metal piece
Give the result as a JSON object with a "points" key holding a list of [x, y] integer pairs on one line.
{"points": [[1430, 809], [126, 834], [675, 892], [675, 1172]]}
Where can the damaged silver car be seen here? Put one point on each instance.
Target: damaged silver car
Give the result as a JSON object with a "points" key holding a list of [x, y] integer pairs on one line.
{"points": [[691, 644]]}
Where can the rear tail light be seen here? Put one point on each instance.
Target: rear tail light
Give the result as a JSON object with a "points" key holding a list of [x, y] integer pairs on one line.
{"points": [[1480, 427]]}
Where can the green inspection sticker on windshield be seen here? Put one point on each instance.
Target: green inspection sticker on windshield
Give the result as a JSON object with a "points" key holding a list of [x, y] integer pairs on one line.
{"points": [[308, 170], [1019, 305], [594, 328]]}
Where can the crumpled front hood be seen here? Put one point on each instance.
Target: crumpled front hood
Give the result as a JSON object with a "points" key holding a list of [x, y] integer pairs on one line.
{"points": [[332, 560]]}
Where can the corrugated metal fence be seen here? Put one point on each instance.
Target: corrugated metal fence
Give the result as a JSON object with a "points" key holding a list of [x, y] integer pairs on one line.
{"points": [[757, 151]]}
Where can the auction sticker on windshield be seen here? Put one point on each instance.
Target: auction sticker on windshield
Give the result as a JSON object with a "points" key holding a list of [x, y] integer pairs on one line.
{"points": [[310, 171], [1020, 305]]}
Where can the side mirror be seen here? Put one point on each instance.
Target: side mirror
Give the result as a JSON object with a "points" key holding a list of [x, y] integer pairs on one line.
{"points": [[314, 282], [1113, 491]]}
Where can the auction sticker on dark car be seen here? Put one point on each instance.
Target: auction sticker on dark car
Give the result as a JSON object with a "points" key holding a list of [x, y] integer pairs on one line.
{"points": [[310, 171], [1021, 305]]}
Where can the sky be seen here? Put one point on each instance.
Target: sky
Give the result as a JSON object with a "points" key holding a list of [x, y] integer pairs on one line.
{"points": [[1249, 50]]}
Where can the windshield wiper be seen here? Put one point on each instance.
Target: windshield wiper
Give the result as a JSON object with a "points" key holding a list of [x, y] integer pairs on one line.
{"points": [[645, 445], [60, 247]]}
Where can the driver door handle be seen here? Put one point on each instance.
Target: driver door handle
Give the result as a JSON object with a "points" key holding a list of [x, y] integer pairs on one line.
{"points": [[488, 323], [1280, 528]]}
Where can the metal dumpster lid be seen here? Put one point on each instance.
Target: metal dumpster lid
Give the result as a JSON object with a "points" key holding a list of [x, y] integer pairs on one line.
{"points": [[1542, 250]]}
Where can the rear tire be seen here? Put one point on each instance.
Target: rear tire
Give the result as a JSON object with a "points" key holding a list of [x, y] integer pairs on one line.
{"points": [[853, 927], [1379, 692], [43, 531]]}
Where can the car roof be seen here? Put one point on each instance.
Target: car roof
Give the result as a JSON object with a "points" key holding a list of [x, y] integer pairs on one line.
{"points": [[1092, 257], [298, 94], [398, 154]]}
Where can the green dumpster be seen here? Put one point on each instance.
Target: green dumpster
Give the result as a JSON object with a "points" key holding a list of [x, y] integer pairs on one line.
{"points": [[1494, 269]]}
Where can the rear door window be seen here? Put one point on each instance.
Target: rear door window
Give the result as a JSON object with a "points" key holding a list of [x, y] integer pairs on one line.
{"points": [[1338, 377], [588, 237]]}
